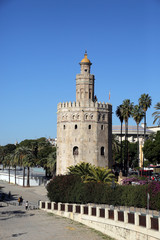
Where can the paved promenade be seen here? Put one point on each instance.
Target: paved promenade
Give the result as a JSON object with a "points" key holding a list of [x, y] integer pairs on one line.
{"points": [[17, 223]]}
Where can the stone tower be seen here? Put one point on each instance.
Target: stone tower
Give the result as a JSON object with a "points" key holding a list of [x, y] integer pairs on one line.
{"points": [[84, 127]]}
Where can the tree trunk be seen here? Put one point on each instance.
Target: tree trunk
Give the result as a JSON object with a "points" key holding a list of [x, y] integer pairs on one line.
{"points": [[46, 172], [122, 164], [126, 162], [9, 172], [15, 174], [23, 176], [144, 133], [28, 184], [138, 144]]}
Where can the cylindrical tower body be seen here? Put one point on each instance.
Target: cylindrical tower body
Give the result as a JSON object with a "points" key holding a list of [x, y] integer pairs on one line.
{"points": [[84, 127]]}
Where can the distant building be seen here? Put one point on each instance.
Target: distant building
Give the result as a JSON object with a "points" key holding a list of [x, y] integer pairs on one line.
{"points": [[52, 141], [84, 127], [132, 132], [154, 128]]}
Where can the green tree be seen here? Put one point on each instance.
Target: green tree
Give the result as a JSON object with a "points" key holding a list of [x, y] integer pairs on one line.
{"points": [[43, 154], [7, 162], [29, 161], [7, 156], [119, 114], [82, 169], [137, 114], [127, 107], [115, 148], [21, 154], [151, 149], [51, 163], [100, 175], [145, 102], [156, 114], [5, 150]]}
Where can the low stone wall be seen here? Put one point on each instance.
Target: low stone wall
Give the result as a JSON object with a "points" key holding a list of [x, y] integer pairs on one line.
{"points": [[34, 181], [116, 223]]}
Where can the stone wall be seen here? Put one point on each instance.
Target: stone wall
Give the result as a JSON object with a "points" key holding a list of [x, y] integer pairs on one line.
{"points": [[116, 223]]}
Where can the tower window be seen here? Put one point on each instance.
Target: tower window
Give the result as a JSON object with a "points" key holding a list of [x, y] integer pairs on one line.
{"points": [[64, 126], [89, 126], [75, 150], [102, 151], [99, 117], [102, 127], [76, 126], [85, 70]]}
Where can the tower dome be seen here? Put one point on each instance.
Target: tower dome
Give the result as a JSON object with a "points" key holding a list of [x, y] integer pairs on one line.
{"points": [[85, 59]]}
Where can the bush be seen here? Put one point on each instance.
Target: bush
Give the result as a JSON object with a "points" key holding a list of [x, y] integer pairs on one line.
{"points": [[154, 191], [71, 189]]}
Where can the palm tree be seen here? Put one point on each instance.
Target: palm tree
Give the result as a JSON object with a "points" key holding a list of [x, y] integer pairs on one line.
{"points": [[127, 107], [28, 161], [145, 102], [119, 114], [81, 169], [21, 155], [156, 114], [8, 162], [137, 114], [115, 146], [100, 175], [51, 163]]}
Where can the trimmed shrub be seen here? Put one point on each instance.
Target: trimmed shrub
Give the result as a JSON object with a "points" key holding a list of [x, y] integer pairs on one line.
{"points": [[71, 189]]}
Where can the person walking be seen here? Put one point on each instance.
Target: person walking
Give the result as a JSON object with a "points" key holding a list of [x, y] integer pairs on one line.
{"points": [[19, 200], [27, 205]]}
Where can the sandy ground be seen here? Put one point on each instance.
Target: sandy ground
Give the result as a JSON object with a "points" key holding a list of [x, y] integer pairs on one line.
{"points": [[17, 223]]}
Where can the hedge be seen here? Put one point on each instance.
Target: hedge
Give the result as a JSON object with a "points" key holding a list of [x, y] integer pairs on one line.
{"points": [[70, 189]]}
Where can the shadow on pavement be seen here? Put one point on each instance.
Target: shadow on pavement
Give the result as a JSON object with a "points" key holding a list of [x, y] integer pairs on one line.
{"points": [[18, 234]]}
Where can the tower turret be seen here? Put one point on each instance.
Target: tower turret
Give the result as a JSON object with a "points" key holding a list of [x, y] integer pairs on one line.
{"points": [[85, 82]]}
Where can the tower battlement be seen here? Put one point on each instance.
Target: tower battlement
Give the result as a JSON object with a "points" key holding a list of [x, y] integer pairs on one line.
{"points": [[89, 104]]}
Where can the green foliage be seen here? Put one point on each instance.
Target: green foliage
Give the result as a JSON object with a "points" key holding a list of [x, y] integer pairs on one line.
{"points": [[132, 153], [65, 188], [100, 175], [156, 114], [90, 173], [71, 189], [51, 162], [145, 101], [137, 114], [82, 169], [151, 149], [126, 109], [6, 150]]}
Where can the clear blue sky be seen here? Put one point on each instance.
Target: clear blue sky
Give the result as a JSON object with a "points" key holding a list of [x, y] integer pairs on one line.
{"points": [[42, 43]]}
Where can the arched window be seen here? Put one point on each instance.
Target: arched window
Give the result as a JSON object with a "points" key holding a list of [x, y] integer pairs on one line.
{"points": [[102, 127], [102, 151], [75, 150], [64, 127], [76, 126], [89, 126], [91, 116]]}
